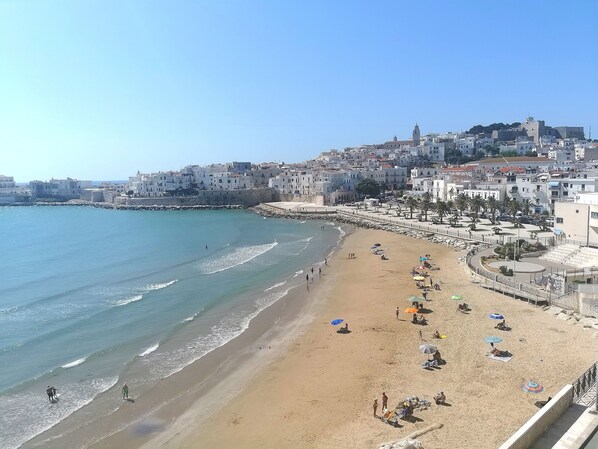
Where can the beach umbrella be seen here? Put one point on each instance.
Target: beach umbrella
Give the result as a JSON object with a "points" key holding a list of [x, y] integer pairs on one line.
{"points": [[457, 297], [496, 316], [532, 387], [411, 310], [337, 321], [418, 278], [415, 299], [428, 349], [492, 339]]}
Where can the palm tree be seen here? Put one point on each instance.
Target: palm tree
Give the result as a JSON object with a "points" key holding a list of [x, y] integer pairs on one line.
{"points": [[513, 207], [425, 204], [461, 203], [526, 205], [411, 203], [475, 205], [492, 206], [442, 209]]}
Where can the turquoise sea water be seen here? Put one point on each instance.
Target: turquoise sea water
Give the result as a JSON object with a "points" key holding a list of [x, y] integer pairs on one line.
{"points": [[89, 294]]}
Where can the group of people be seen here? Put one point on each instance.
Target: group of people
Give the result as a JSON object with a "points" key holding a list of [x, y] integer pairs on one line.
{"points": [[51, 391], [384, 404], [421, 320], [52, 395], [351, 255]]}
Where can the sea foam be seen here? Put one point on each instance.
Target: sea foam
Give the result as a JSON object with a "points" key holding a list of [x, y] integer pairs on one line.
{"points": [[149, 350], [74, 363], [152, 287], [124, 302], [238, 256]]}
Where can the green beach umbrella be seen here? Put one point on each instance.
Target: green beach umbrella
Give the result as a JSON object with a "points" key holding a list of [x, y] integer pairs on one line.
{"points": [[415, 299], [457, 297]]}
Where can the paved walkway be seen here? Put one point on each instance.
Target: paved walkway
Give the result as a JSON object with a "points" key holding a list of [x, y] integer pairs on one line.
{"points": [[571, 430]]}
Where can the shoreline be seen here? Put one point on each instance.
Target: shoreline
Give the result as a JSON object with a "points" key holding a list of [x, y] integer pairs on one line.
{"points": [[226, 368], [319, 393]]}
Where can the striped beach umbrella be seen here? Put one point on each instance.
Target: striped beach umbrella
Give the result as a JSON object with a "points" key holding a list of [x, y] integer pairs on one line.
{"points": [[532, 387]]}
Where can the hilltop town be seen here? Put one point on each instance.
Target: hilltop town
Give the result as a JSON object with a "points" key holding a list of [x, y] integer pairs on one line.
{"points": [[529, 162]]}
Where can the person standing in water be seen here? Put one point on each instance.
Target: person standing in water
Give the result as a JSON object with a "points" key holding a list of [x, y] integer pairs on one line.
{"points": [[125, 391]]}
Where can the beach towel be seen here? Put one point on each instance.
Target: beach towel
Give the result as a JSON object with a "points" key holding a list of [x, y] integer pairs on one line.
{"points": [[443, 336], [500, 359]]}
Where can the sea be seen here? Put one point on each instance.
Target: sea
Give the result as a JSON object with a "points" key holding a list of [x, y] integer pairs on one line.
{"points": [[90, 297]]}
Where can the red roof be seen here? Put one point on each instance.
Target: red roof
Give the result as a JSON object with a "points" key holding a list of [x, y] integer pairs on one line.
{"points": [[512, 168]]}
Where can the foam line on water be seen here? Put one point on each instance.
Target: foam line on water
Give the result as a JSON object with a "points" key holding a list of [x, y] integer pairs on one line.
{"points": [[166, 364], [238, 256], [279, 284], [74, 363], [124, 302], [149, 350], [153, 287], [297, 273]]}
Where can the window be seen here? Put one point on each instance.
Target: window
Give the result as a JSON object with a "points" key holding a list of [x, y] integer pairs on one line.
{"points": [[559, 220], [594, 214]]}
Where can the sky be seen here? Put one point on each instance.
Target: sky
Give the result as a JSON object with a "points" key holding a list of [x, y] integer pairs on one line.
{"points": [[99, 89]]}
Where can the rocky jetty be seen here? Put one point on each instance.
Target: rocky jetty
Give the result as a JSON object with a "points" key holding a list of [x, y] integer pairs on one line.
{"points": [[82, 203]]}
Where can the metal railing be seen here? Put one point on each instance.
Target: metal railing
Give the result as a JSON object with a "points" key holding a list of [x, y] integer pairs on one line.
{"points": [[584, 388]]}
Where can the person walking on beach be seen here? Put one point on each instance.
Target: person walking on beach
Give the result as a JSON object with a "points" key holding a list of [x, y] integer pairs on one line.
{"points": [[125, 391], [384, 401], [320, 271], [312, 270], [375, 407], [307, 278], [397, 312]]}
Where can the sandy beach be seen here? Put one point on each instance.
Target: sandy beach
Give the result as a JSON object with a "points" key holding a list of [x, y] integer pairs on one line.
{"points": [[319, 392], [315, 388]]}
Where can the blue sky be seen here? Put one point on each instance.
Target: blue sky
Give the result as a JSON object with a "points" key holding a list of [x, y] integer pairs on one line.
{"points": [[100, 89]]}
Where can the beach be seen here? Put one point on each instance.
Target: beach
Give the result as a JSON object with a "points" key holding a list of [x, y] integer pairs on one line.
{"points": [[315, 388]]}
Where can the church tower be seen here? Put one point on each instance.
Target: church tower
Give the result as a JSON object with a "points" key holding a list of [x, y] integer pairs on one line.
{"points": [[416, 135]]}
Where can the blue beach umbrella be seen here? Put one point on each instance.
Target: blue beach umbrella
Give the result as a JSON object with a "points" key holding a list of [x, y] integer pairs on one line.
{"points": [[492, 339], [496, 316], [337, 321]]}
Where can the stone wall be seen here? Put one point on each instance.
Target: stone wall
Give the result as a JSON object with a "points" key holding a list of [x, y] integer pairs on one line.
{"points": [[541, 421], [246, 198]]}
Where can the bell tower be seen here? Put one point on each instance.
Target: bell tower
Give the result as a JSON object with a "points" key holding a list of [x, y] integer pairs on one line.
{"points": [[416, 135]]}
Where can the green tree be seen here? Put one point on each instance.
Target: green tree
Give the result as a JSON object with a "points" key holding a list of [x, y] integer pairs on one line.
{"points": [[475, 205], [425, 204], [492, 206], [369, 187], [411, 204], [461, 203], [513, 207], [526, 205], [442, 209]]}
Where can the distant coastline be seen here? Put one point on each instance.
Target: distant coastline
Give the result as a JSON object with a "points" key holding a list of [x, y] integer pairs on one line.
{"points": [[82, 203]]}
